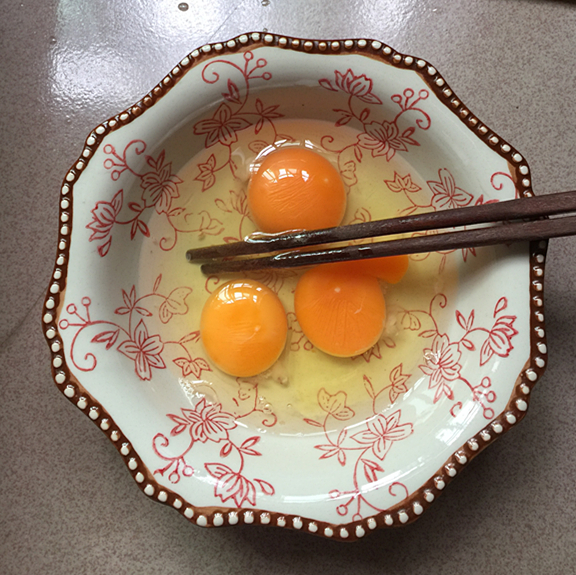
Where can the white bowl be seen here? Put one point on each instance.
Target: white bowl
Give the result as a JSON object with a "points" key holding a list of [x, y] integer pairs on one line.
{"points": [[343, 446]]}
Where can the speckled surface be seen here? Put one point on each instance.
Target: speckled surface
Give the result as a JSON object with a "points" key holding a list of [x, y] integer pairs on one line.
{"points": [[67, 502]]}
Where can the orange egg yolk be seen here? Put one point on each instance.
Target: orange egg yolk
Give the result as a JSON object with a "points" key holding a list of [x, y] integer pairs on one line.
{"points": [[340, 313], [243, 327], [296, 188], [391, 269]]}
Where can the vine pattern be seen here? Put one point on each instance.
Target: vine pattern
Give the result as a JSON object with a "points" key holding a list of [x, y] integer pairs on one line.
{"points": [[132, 338], [443, 365], [367, 448], [208, 423], [236, 114], [160, 188], [385, 138]]}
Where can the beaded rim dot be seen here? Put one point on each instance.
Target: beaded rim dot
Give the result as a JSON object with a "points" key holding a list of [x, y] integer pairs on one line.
{"points": [[415, 504]]}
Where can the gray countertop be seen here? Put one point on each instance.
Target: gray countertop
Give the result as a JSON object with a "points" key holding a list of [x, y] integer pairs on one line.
{"points": [[67, 502]]}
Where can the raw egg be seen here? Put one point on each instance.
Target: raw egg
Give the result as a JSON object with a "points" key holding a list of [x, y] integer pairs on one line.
{"points": [[296, 189], [243, 327], [340, 313], [391, 269]]}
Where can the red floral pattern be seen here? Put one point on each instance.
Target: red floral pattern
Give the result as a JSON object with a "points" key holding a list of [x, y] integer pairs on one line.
{"points": [[359, 86], [381, 432], [442, 365], [374, 437], [237, 114], [445, 193], [160, 188], [136, 343], [222, 127], [208, 422], [384, 139], [365, 450], [145, 350], [160, 185], [104, 216]]}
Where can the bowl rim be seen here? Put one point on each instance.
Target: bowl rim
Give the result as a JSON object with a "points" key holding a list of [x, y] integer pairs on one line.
{"points": [[411, 507]]}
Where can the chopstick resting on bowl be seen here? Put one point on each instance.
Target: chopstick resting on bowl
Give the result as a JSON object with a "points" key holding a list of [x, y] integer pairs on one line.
{"points": [[513, 213]]}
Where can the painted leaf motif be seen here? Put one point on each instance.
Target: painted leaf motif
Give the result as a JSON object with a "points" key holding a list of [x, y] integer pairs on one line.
{"points": [[266, 487], [233, 94], [105, 247], [210, 225], [331, 450], [226, 449], [174, 304], [257, 146], [370, 469], [312, 422], [369, 387], [117, 201], [191, 337], [501, 305], [335, 404], [217, 470], [181, 424], [248, 445], [107, 337], [193, 367], [325, 83], [410, 321], [402, 184], [222, 205], [361, 215]]}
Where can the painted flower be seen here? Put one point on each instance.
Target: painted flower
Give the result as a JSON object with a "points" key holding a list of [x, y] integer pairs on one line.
{"points": [[145, 350], [445, 193], [398, 380], [384, 139], [499, 339], [231, 485], [442, 365], [209, 422], [402, 184], [382, 432], [359, 86], [206, 174], [266, 114], [103, 219], [222, 127], [160, 185]]}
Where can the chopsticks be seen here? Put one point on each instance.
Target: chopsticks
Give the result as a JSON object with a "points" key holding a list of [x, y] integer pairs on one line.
{"points": [[511, 212]]}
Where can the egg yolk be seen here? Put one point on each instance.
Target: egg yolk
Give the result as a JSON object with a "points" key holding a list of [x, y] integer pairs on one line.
{"points": [[340, 313], [296, 188], [243, 327], [391, 269]]}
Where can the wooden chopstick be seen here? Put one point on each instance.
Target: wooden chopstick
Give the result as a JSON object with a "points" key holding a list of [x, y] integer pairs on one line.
{"points": [[533, 207], [514, 232], [508, 211]]}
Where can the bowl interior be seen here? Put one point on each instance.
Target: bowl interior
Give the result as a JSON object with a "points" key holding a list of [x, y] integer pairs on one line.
{"points": [[331, 439]]}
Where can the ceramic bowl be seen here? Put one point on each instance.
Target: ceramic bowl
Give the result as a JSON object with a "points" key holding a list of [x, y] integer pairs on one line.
{"points": [[334, 447]]}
